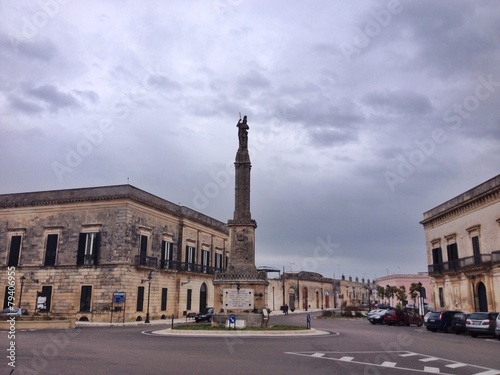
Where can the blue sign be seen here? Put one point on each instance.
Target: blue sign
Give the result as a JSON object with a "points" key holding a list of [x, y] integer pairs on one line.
{"points": [[119, 297], [232, 319]]}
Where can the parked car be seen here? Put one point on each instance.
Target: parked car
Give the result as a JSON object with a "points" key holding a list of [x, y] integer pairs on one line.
{"points": [[204, 317], [372, 312], [497, 327], [378, 317], [458, 323], [401, 317], [481, 323], [426, 316], [8, 312], [440, 320]]}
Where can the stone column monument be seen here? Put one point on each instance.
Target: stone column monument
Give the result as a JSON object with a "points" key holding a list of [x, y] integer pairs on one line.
{"points": [[241, 289]]}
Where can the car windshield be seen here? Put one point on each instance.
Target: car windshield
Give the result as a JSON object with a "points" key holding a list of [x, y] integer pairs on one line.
{"points": [[434, 315], [478, 316]]}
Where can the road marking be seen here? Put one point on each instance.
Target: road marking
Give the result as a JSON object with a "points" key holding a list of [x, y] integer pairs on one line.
{"points": [[409, 354], [318, 355], [350, 357], [456, 365], [434, 370], [428, 359], [346, 359], [388, 364]]}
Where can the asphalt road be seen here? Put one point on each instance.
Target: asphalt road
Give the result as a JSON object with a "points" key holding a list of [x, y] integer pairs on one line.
{"points": [[354, 346]]}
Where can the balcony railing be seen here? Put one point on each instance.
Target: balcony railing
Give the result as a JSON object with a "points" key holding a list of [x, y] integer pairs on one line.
{"points": [[145, 261], [462, 264], [495, 257], [152, 262]]}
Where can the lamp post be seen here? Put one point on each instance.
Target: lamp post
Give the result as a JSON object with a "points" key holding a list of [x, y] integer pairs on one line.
{"points": [[23, 278], [148, 279]]}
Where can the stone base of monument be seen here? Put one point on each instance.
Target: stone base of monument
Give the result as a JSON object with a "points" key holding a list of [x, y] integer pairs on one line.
{"points": [[241, 320]]}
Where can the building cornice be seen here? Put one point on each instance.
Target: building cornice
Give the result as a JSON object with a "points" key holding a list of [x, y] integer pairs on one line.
{"points": [[477, 197], [106, 193]]}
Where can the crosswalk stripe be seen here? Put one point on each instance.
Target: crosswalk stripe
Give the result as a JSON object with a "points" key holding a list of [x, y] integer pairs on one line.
{"points": [[456, 365], [318, 355], [388, 364], [434, 370], [346, 359]]}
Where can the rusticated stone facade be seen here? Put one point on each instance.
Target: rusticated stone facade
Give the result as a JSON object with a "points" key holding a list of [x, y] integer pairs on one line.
{"points": [[81, 246]]}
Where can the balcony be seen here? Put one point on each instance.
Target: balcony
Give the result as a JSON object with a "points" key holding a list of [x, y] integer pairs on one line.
{"points": [[145, 261], [186, 266], [474, 262], [495, 257]]}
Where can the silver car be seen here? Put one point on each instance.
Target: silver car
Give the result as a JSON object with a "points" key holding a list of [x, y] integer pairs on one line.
{"points": [[481, 323]]}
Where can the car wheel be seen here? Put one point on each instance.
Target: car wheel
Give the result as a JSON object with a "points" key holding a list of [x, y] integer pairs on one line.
{"points": [[448, 329], [473, 334], [434, 330], [419, 324], [371, 322]]}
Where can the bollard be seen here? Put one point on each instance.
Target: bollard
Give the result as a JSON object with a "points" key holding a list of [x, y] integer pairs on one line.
{"points": [[172, 321]]}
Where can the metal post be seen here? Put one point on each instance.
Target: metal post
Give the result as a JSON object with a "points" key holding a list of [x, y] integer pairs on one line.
{"points": [[148, 279], [21, 293]]}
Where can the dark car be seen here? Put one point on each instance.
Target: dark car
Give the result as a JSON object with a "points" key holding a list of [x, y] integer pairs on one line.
{"points": [[440, 320], [401, 317], [458, 323], [481, 323], [377, 316], [205, 317]]}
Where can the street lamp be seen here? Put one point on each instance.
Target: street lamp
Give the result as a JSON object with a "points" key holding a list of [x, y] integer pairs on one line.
{"points": [[148, 279], [23, 278]]}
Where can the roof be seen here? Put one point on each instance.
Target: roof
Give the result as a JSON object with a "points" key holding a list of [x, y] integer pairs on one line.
{"points": [[105, 193]]}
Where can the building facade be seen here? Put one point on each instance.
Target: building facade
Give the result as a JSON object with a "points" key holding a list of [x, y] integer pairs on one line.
{"points": [[113, 253], [303, 291], [462, 238], [406, 281]]}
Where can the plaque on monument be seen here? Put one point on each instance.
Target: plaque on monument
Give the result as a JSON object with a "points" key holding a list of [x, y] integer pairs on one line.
{"points": [[238, 299]]}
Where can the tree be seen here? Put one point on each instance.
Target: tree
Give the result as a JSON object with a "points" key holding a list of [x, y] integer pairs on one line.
{"points": [[380, 293], [414, 291], [401, 293]]}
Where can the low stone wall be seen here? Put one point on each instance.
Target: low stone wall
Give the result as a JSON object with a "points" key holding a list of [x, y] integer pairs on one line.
{"points": [[38, 324], [251, 320]]}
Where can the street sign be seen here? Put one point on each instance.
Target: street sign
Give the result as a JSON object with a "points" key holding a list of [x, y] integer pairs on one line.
{"points": [[119, 297]]}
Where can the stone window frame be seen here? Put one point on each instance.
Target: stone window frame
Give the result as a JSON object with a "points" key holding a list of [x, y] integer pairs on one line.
{"points": [[50, 231], [167, 245], [90, 229], [450, 240], [148, 233], [12, 232], [475, 231]]}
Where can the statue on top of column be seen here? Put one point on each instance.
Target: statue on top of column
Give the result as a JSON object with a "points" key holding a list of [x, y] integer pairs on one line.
{"points": [[243, 132]]}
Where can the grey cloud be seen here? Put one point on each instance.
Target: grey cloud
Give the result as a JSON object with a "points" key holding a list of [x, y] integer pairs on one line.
{"points": [[25, 106], [89, 95], [398, 102], [55, 98]]}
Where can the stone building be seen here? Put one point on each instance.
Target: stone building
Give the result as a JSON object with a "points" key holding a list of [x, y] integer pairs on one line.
{"points": [[303, 291], [108, 254], [462, 238], [354, 292]]}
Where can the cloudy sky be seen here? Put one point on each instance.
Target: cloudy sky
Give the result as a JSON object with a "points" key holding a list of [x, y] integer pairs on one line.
{"points": [[363, 115]]}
